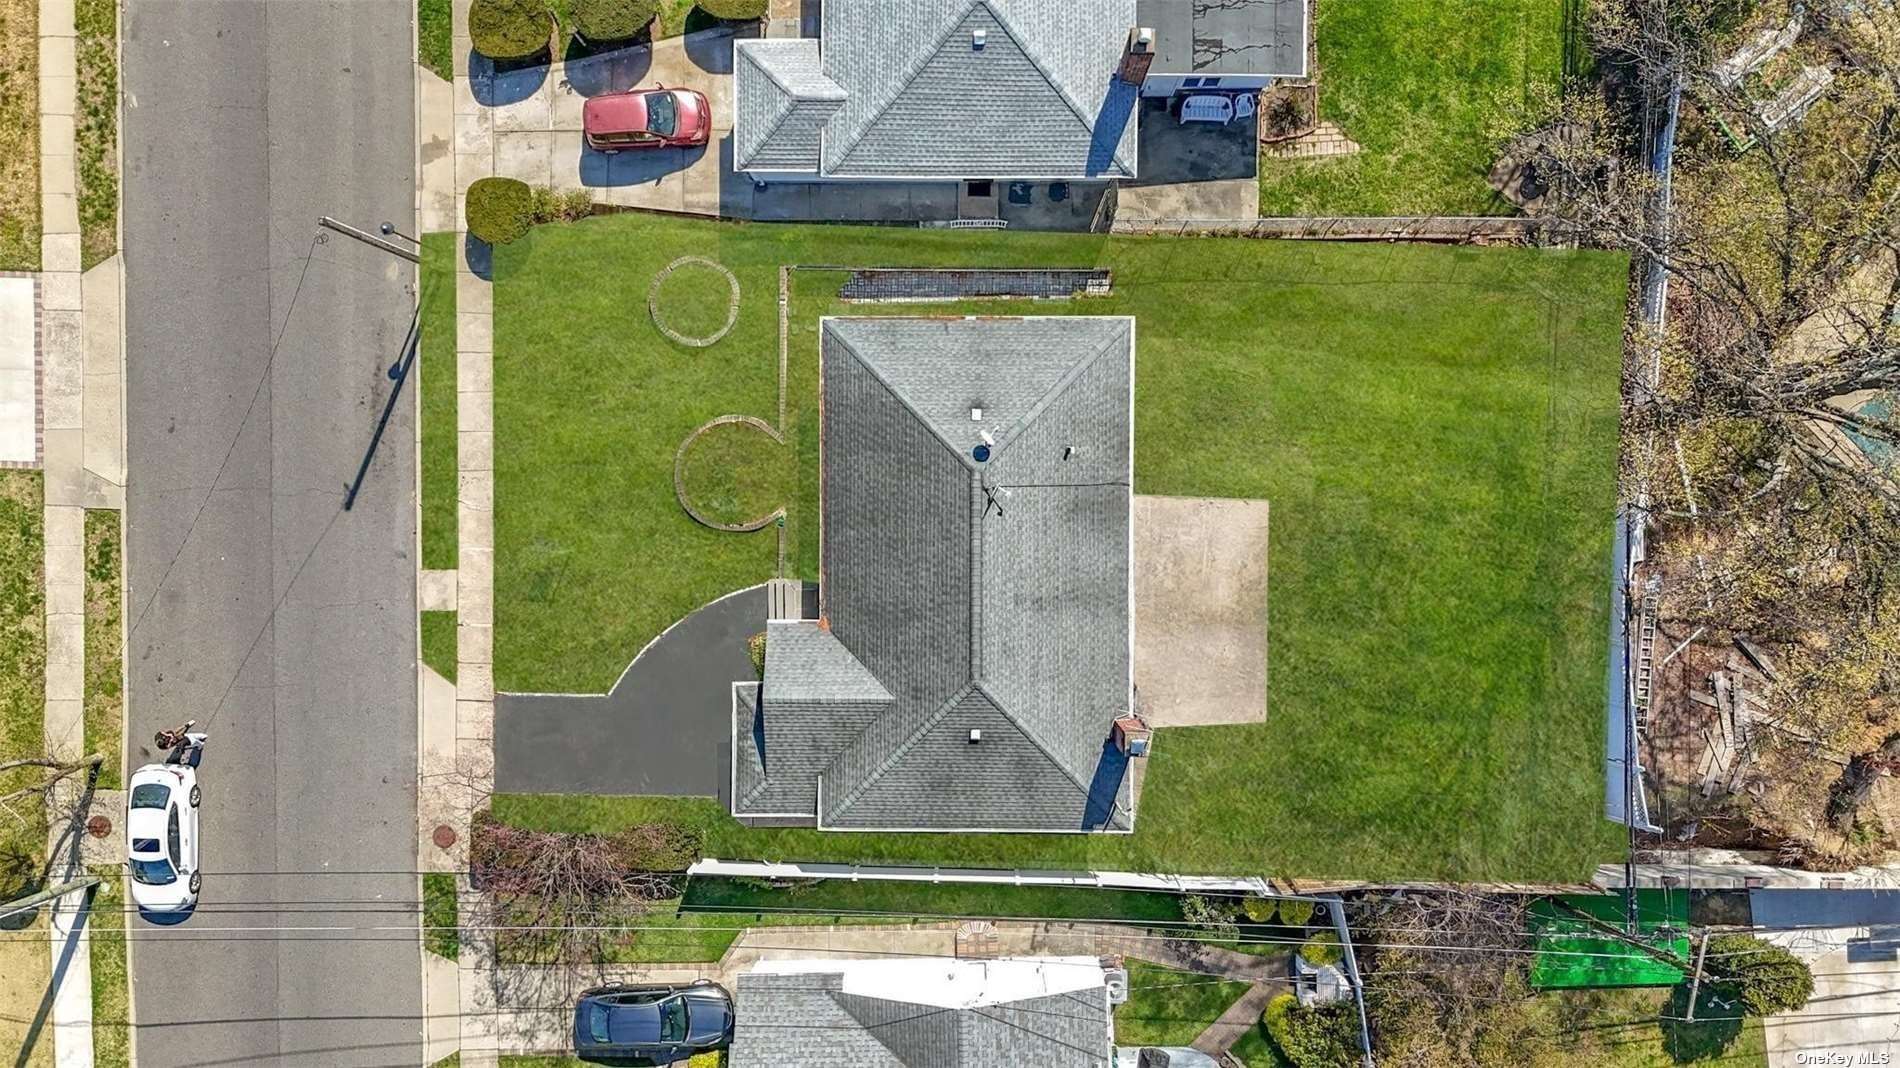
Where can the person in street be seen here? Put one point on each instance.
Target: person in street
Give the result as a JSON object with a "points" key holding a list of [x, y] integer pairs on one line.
{"points": [[183, 744]]}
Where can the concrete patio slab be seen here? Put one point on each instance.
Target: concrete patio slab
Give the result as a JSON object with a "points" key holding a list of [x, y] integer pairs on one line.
{"points": [[1200, 610]]}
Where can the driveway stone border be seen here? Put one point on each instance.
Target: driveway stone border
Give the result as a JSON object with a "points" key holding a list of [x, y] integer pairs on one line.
{"points": [[679, 474], [659, 321]]}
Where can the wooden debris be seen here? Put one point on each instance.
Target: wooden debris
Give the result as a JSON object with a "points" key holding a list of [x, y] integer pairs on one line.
{"points": [[1757, 657], [1703, 699]]}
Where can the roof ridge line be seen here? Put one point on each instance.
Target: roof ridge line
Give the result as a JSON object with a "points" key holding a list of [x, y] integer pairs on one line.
{"points": [[923, 59], [1042, 68], [903, 748], [766, 68], [1061, 386], [896, 394], [977, 685]]}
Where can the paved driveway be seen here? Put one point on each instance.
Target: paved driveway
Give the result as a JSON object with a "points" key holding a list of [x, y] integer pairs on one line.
{"points": [[665, 729], [1854, 1016]]}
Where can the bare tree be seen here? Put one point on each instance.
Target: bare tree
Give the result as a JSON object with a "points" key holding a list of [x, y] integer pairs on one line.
{"points": [[36, 792]]}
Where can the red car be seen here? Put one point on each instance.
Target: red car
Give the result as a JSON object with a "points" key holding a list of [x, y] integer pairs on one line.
{"points": [[647, 118]]}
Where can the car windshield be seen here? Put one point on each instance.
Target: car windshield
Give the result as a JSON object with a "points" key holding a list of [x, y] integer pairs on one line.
{"points": [[662, 114], [150, 795], [153, 872], [673, 1020], [597, 1024]]}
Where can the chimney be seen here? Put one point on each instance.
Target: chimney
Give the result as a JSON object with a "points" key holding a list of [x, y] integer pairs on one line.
{"points": [[1132, 735], [1139, 55]]}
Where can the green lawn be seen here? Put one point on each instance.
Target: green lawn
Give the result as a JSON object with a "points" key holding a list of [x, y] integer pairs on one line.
{"points": [[440, 920], [22, 672], [1428, 89], [96, 127], [1435, 428], [111, 992], [439, 643], [435, 37], [925, 900], [668, 936], [1170, 1008], [1625, 1029], [105, 646], [437, 406]]}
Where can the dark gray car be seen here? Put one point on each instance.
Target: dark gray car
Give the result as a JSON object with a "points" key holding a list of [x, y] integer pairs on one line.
{"points": [[652, 1024]]}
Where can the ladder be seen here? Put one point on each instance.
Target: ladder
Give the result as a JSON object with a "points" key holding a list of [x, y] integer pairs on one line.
{"points": [[1645, 659]]}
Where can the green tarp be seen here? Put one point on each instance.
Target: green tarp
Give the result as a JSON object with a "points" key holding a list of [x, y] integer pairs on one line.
{"points": [[1574, 954]]}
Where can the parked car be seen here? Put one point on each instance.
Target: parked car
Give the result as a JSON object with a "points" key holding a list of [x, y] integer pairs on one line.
{"points": [[161, 834], [652, 1024], [647, 118]]}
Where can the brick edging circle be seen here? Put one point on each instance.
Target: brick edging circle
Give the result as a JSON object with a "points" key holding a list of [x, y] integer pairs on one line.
{"points": [[679, 467], [732, 304]]}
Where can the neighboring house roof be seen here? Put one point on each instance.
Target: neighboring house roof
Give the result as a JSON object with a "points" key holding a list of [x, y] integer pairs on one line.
{"points": [[900, 89], [1227, 36], [923, 1013], [959, 595]]}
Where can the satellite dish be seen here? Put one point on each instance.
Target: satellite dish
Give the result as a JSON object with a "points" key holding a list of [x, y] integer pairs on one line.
{"points": [[981, 454]]}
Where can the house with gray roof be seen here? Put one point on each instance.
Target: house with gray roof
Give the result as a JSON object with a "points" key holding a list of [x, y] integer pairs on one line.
{"points": [[940, 89], [1051, 1012], [973, 647]]}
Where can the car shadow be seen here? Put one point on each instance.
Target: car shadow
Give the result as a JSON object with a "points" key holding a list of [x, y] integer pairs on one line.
{"points": [[167, 919], [638, 166], [607, 70], [496, 83]]}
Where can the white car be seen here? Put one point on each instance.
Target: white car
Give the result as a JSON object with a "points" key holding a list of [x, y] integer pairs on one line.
{"points": [[161, 833]]}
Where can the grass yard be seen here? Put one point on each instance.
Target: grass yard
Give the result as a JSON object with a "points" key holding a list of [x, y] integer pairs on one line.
{"points": [[437, 414], [1429, 90], [1435, 428], [1170, 1008], [435, 37], [1625, 1029], [440, 915], [105, 646], [673, 937], [96, 127], [733, 896], [438, 643], [111, 992], [25, 964], [19, 135]]}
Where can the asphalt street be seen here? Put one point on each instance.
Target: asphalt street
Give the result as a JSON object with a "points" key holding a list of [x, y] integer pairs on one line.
{"points": [[256, 353]]}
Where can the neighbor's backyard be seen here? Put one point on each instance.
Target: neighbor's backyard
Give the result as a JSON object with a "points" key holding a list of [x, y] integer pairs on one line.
{"points": [[1435, 429], [1428, 90]]}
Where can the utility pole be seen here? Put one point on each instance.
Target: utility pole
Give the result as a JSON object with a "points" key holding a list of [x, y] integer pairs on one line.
{"points": [[51, 893], [1696, 983]]}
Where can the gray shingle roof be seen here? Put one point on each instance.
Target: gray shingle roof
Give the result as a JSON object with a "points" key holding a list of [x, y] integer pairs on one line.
{"points": [[1227, 36], [808, 1021], [1039, 100], [784, 100], [985, 596], [818, 699]]}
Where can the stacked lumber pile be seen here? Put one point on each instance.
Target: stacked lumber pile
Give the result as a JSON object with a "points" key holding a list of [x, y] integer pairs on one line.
{"points": [[1738, 696]]}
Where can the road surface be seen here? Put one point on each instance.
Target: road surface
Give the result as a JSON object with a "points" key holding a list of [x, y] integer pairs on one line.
{"points": [[284, 625]]}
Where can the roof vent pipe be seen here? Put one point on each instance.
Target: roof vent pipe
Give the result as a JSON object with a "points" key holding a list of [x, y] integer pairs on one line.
{"points": [[976, 733], [977, 37]]}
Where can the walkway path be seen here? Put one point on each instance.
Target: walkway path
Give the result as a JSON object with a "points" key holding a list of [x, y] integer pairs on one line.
{"points": [[1241, 1017]]}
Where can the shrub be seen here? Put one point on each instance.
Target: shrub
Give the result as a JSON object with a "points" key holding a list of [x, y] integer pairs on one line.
{"points": [[611, 20], [1321, 949], [509, 29], [549, 205], [755, 648], [1296, 913], [500, 210], [734, 9], [1214, 916], [1258, 909], [1324, 1037], [1766, 977], [710, 1059]]}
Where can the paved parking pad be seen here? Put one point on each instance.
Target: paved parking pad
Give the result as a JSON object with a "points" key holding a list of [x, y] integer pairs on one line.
{"points": [[666, 728], [1200, 610]]}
